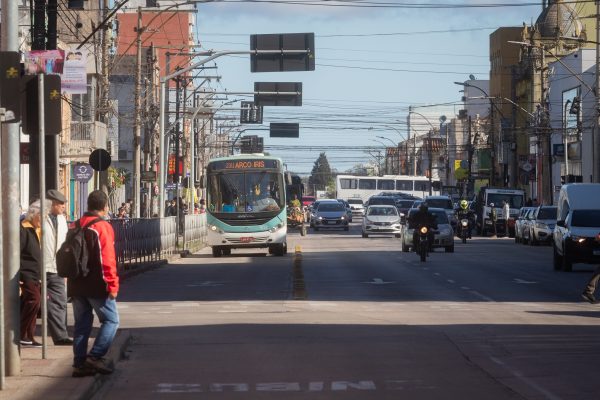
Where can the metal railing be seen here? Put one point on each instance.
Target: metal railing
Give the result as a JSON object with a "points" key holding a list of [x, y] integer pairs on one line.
{"points": [[143, 240]]}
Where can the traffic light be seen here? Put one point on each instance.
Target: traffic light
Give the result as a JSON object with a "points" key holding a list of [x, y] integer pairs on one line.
{"points": [[575, 106]]}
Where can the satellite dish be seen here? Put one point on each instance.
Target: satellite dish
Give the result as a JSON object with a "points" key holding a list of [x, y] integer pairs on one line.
{"points": [[472, 77]]}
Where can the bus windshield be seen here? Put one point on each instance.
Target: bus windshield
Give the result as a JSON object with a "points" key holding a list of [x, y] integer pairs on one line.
{"points": [[514, 200], [245, 192]]}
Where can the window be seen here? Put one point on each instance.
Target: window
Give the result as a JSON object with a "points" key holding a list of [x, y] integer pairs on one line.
{"points": [[422, 186], [347, 183], [586, 218], [367, 184], [404, 184], [547, 213], [83, 106], [385, 184]]}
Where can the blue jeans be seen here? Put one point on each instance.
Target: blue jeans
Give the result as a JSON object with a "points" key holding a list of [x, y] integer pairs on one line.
{"points": [[106, 310]]}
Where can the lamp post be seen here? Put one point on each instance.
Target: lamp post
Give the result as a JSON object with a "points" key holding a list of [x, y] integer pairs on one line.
{"points": [[429, 147], [565, 137]]}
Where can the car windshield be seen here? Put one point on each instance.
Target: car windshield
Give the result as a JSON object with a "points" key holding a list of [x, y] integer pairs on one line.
{"points": [[404, 203], [382, 211], [514, 200], [586, 218], [440, 216], [248, 192], [331, 207], [439, 203], [381, 200], [355, 201], [547, 213]]}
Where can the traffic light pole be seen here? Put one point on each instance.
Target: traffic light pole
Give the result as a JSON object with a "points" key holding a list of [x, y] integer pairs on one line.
{"points": [[10, 218]]}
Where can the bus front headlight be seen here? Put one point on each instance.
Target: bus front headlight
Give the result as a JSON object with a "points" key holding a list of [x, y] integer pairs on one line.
{"points": [[276, 227]]}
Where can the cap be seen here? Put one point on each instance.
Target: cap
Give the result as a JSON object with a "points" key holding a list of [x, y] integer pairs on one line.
{"points": [[55, 195]]}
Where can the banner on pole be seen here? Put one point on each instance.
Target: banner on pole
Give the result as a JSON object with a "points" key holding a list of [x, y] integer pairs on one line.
{"points": [[74, 76], [49, 62]]}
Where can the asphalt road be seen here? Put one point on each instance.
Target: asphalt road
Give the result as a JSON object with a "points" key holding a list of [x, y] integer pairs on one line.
{"points": [[353, 318]]}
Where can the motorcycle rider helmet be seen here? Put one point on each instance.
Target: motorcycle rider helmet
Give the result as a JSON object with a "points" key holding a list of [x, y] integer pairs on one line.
{"points": [[464, 204]]}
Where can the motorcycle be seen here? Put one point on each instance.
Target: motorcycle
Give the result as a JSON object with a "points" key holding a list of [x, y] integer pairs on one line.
{"points": [[464, 229], [422, 245]]}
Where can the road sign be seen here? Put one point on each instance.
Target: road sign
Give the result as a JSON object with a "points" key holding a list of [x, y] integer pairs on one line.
{"points": [[250, 113], [148, 176], [284, 130], [280, 61], [170, 186], [278, 93], [83, 172], [100, 159]]}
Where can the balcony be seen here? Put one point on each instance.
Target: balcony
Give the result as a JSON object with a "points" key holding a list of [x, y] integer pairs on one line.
{"points": [[83, 138]]}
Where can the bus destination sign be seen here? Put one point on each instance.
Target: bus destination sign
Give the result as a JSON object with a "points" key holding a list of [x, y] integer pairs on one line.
{"points": [[244, 164]]}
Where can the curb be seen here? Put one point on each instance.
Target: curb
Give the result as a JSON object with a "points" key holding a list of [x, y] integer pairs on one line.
{"points": [[116, 353]]}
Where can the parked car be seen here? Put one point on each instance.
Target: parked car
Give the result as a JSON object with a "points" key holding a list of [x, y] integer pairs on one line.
{"points": [[381, 219], [520, 222], [443, 238], [356, 205], [330, 214], [544, 219], [576, 236], [528, 220]]}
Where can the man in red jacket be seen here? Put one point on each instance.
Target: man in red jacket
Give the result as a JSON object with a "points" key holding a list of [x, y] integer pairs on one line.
{"points": [[96, 292]]}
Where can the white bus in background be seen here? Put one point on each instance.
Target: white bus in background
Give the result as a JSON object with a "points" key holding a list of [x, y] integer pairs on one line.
{"points": [[363, 187]]}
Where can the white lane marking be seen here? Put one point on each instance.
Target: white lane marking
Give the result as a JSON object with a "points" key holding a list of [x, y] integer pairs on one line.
{"points": [[378, 281], [205, 284], [519, 375], [437, 274], [450, 281], [481, 296], [465, 288], [523, 281], [185, 305]]}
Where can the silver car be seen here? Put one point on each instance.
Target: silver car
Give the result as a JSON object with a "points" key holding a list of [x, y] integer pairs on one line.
{"points": [[381, 219], [443, 238], [520, 223], [544, 220]]}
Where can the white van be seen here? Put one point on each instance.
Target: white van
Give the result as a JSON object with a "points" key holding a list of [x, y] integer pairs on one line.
{"points": [[576, 236]]}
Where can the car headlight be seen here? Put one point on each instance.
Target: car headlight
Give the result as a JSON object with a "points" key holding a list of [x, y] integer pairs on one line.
{"points": [[424, 230], [343, 217], [578, 239], [215, 228], [320, 218]]}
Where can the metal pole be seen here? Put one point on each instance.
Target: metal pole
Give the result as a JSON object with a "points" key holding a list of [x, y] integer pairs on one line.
{"points": [[2, 324], [42, 174], [566, 143], [161, 150], [10, 201], [596, 136], [429, 150], [137, 131]]}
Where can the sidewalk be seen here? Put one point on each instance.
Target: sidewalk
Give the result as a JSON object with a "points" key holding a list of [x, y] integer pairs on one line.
{"points": [[50, 379]]}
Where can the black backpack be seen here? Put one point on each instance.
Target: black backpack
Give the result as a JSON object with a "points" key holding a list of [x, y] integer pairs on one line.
{"points": [[72, 257]]}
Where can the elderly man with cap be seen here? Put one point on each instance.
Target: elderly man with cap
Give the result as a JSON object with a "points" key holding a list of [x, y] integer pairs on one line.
{"points": [[56, 228]]}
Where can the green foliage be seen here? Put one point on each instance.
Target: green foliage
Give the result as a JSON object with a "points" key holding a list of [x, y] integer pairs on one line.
{"points": [[321, 175], [117, 177]]}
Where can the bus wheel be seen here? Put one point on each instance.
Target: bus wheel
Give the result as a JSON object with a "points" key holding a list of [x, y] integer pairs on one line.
{"points": [[216, 251], [280, 249]]}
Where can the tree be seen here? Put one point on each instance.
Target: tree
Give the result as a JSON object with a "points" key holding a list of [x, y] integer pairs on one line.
{"points": [[321, 175]]}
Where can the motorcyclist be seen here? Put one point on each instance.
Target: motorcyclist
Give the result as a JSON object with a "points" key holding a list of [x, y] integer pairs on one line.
{"points": [[465, 213], [295, 203], [419, 219]]}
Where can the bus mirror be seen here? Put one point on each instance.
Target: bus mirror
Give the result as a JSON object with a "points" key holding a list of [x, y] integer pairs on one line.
{"points": [[288, 178]]}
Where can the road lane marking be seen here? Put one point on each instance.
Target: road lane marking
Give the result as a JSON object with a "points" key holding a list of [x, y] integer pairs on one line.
{"points": [[523, 281], [481, 296], [450, 281], [519, 375], [378, 281]]}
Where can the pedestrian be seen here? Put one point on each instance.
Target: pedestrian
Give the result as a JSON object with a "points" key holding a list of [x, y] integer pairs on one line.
{"points": [[494, 218], [56, 228], [588, 293], [505, 216], [202, 206], [30, 273], [96, 292]]}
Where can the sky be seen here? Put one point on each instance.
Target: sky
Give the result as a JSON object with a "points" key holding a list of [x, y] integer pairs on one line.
{"points": [[371, 64]]}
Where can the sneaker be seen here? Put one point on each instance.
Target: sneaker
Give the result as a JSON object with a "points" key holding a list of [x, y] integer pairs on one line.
{"points": [[26, 342], [80, 372], [589, 297], [101, 365], [35, 344], [64, 342]]}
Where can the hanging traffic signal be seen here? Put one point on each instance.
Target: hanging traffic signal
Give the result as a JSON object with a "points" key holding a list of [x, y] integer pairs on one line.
{"points": [[575, 106]]}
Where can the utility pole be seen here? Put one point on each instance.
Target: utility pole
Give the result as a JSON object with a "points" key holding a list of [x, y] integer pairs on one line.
{"points": [[138, 118], [596, 137], [430, 157], [10, 219], [470, 157]]}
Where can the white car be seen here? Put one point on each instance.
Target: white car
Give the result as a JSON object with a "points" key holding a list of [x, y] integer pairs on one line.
{"points": [[356, 205], [381, 219]]}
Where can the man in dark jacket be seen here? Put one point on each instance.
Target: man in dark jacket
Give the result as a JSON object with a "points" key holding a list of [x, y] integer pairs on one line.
{"points": [[97, 291], [419, 219]]}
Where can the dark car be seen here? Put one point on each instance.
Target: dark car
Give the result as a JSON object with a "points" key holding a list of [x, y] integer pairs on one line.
{"points": [[330, 214], [382, 200], [404, 205]]}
